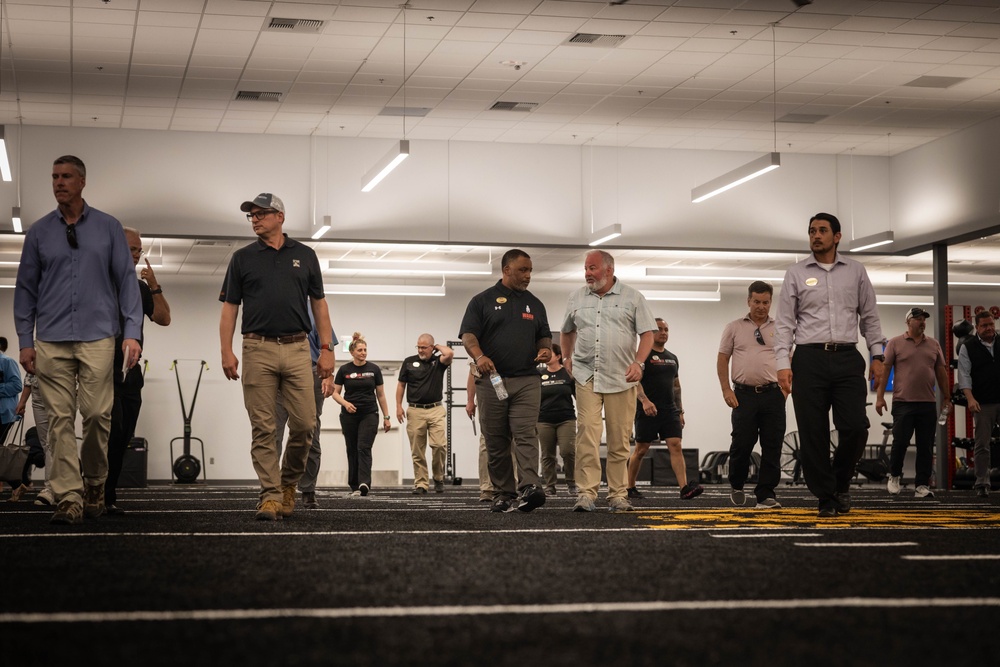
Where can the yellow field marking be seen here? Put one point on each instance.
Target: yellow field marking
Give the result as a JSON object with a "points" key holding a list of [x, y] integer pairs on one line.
{"points": [[973, 517]]}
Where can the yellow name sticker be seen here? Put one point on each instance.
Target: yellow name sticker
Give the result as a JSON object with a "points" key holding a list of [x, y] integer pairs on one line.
{"points": [[812, 282], [501, 299]]}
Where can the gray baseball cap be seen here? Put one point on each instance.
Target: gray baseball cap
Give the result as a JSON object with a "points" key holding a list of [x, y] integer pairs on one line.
{"points": [[264, 200]]}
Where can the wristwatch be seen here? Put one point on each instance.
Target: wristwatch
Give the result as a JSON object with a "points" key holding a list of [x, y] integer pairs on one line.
{"points": [[327, 346], [878, 357], [641, 365], [158, 290]]}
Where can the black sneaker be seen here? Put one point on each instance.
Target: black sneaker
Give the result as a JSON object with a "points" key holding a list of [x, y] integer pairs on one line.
{"points": [[501, 504], [309, 500], [634, 492], [531, 497], [843, 502], [828, 512], [363, 489], [690, 491], [983, 491], [111, 508], [438, 486], [419, 491]]}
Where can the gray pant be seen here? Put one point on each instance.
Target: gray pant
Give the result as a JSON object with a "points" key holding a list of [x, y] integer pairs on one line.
{"points": [[984, 421], [307, 484], [504, 421], [563, 437]]}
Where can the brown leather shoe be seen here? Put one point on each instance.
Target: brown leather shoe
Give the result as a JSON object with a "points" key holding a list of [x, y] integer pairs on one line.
{"points": [[93, 501], [269, 510], [287, 500]]}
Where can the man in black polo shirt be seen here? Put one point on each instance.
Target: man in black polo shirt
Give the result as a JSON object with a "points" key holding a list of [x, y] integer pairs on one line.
{"points": [[276, 279], [422, 378], [506, 333]]}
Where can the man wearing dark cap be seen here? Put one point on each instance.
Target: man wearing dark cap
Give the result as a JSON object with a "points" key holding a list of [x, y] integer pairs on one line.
{"points": [[277, 279], [919, 362]]}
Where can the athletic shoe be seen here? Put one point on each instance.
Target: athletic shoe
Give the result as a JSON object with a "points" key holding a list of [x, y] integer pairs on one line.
{"points": [[16, 494], [363, 489], [68, 512], [45, 497], [843, 502], [737, 497], [634, 492], [691, 491], [923, 491], [983, 491], [532, 497], [93, 501], [572, 490], [828, 512], [485, 497], [619, 505], [287, 500], [269, 510], [550, 490], [767, 504], [438, 486], [892, 486], [501, 505], [584, 504], [111, 508], [354, 494], [309, 500], [419, 491]]}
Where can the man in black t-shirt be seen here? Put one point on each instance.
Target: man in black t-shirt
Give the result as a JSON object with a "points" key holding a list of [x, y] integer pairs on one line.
{"points": [[422, 378], [506, 332], [659, 414]]}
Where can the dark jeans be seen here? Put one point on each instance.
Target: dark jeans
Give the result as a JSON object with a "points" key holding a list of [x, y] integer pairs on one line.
{"points": [[756, 415], [907, 419], [822, 380], [124, 417], [359, 434]]}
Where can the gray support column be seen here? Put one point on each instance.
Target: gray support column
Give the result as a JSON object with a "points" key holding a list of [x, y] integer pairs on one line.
{"points": [[940, 254]]}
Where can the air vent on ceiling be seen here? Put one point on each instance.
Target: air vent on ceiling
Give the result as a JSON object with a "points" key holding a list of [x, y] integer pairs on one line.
{"points": [[595, 39], [935, 81], [258, 96], [418, 112], [213, 244], [804, 118], [295, 25], [513, 106]]}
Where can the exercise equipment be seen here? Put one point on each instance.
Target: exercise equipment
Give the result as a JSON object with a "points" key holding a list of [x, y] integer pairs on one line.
{"points": [[187, 467]]}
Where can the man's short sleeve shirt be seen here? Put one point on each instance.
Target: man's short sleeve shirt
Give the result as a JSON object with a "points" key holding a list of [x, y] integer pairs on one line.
{"points": [[508, 324], [424, 380]]}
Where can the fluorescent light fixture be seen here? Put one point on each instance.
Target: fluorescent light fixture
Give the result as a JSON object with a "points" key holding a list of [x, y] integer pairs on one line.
{"points": [[953, 279], [327, 223], [376, 267], [681, 295], [873, 241], [15, 218], [714, 273], [750, 170], [903, 300], [4, 162], [386, 290], [388, 162], [605, 235]]}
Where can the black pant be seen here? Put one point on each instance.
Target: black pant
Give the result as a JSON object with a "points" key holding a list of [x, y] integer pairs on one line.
{"points": [[907, 418], [822, 380], [756, 415], [124, 417], [359, 434]]}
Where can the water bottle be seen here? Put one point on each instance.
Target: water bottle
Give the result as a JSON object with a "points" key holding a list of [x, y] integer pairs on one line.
{"points": [[498, 385], [943, 417]]}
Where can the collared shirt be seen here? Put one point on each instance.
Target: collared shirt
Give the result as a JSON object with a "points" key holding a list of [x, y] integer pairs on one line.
{"points": [[606, 328], [274, 286], [509, 325], [820, 306], [752, 363], [916, 362], [10, 388], [424, 380], [67, 294], [965, 363]]}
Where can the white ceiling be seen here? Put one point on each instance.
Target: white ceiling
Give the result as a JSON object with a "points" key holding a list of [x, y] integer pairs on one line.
{"points": [[690, 73]]}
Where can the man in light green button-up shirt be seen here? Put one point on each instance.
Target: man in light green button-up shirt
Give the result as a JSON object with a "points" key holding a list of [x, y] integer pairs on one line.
{"points": [[598, 340]]}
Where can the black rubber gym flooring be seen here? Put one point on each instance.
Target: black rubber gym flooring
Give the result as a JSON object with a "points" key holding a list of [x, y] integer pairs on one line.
{"points": [[187, 576]]}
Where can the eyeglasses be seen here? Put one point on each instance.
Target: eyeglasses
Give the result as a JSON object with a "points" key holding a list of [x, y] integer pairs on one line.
{"points": [[759, 336], [137, 251], [71, 236], [258, 215], [424, 347]]}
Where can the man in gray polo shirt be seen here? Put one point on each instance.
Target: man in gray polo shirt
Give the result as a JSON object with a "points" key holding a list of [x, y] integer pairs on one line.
{"points": [[918, 361], [276, 279], [824, 299]]}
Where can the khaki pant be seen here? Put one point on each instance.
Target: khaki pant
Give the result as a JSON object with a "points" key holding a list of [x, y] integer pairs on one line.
{"points": [[268, 367], [70, 375], [425, 426], [560, 436], [619, 414]]}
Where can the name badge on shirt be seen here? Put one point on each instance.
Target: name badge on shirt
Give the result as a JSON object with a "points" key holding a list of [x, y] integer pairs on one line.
{"points": [[811, 282]]}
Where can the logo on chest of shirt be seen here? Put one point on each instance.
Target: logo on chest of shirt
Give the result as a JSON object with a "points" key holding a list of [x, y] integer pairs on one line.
{"points": [[295, 263], [360, 376], [526, 315], [656, 360]]}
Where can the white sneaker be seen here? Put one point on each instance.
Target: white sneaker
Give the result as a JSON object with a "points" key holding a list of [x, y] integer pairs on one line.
{"points": [[923, 491], [45, 497], [893, 485]]}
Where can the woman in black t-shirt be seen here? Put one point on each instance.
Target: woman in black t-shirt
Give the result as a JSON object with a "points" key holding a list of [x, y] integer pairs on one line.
{"points": [[557, 423], [358, 388]]}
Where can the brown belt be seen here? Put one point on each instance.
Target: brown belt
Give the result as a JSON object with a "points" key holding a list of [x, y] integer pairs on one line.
{"points": [[292, 338]]}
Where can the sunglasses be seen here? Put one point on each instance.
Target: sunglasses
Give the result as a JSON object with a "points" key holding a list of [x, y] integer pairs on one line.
{"points": [[71, 236], [759, 336]]}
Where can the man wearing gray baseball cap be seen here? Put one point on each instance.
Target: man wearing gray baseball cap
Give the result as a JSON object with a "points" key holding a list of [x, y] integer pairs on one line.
{"points": [[918, 362], [277, 279]]}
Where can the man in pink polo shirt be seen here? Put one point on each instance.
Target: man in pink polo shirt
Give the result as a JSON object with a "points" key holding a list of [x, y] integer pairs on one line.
{"points": [[919, 362]]}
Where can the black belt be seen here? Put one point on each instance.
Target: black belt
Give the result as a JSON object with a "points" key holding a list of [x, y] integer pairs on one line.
{"points": [[757, 389], [424, 406], [292, 338], [831, 347]]}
